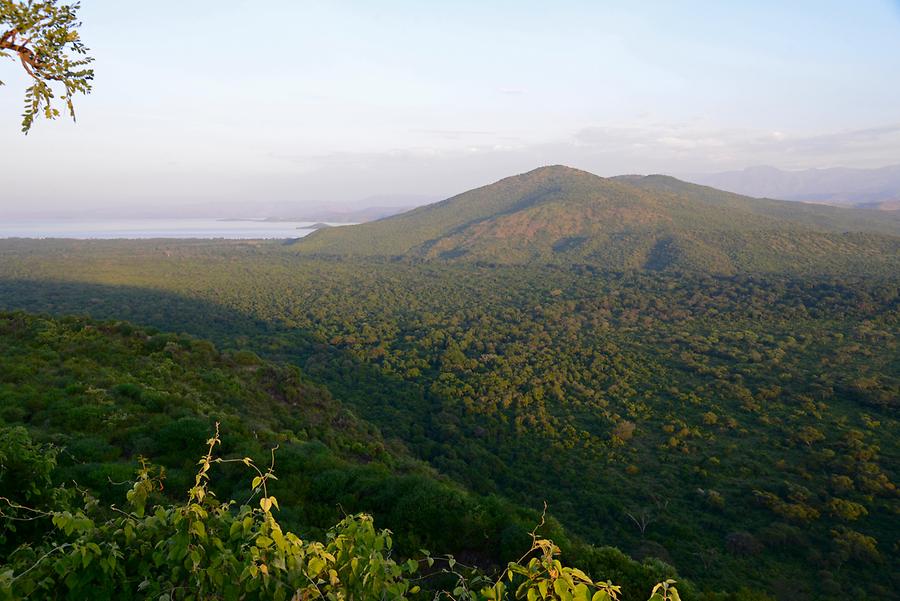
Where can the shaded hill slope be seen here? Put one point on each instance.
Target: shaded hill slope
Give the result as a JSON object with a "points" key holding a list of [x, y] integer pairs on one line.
{"points": [[100, 394], [563, 215], [106, 393]]}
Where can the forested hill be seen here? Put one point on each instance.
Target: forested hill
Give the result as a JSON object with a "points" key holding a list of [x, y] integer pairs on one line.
{"points": [[562, 215]]}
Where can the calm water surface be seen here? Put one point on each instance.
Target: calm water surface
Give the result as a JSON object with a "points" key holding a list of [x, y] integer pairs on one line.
{"points": [[152, 228]]}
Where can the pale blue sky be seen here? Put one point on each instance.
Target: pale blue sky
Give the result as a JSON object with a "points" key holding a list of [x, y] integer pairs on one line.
{"points": [[332, 101]]}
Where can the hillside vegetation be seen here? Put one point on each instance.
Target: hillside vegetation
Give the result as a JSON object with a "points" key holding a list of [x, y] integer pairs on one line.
{"points": [[730, 425], [562, 215], [82, 401]]}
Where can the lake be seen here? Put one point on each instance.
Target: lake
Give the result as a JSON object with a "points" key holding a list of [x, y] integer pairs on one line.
{"points": [[108, 229]]}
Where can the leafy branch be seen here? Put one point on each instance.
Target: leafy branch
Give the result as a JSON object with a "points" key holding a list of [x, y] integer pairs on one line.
{"points": [[44, 37], [204, 549]]}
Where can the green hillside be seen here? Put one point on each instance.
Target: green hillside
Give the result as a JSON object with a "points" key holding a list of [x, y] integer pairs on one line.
{"points": [[562, 215], [815, 216], [82, 403], [104, 394]]}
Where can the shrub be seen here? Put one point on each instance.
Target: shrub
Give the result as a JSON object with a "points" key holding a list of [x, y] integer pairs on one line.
{"points": [[205, 549]]}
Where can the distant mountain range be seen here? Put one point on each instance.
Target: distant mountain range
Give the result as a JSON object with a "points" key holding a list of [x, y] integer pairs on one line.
{"points": [[567, 216], [869, 188]]}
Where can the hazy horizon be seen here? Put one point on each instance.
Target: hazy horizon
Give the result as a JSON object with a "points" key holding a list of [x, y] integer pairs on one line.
{"points": [[373, 207], [329, 104]]}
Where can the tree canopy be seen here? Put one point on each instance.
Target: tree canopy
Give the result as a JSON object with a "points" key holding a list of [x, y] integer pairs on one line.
{"points": [[44, 37]]}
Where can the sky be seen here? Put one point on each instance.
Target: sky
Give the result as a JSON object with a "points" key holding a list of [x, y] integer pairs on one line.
{"points": [[208, 103]]}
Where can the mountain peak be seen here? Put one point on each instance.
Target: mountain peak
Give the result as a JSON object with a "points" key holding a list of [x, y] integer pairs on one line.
{"points": [[555, 170], [552, 172], [762, 169], [558, 214]]}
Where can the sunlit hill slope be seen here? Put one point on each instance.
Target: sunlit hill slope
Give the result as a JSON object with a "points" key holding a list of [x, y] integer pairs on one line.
{"points": [[562, 215]]}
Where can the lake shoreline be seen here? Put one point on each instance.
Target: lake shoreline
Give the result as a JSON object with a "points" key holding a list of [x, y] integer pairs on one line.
{"points": [[147, 229]]}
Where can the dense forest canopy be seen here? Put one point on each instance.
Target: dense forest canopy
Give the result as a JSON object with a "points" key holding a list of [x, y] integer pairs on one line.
{"points": [[91, 402], [726, 424]]}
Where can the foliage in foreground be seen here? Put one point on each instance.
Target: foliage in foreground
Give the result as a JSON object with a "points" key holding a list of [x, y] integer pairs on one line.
{"points": [[41, 35], [205, 549]]}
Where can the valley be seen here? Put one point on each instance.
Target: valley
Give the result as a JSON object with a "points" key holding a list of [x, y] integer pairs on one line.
{"points": [[728, 424]]}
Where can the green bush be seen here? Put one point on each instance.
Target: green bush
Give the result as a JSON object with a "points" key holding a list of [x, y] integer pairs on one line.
{"points": [[205, 549]]}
